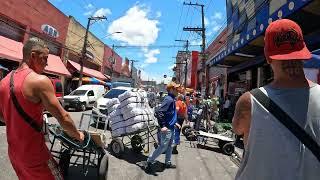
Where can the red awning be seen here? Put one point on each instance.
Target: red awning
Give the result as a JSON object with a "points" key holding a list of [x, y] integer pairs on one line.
{"points": [[56, 66], [10, 49], [88, 71]]}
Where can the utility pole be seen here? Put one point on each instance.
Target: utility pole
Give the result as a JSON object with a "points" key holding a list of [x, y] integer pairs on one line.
{"points": [[112, 60], [85, 44], [201, 30], [185, 61], [132, 61]]}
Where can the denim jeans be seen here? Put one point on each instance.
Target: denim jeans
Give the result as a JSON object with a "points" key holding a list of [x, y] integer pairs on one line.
{"points": [[176, 140], [166, 139]]}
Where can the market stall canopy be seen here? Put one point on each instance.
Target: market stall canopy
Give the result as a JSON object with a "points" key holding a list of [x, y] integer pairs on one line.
{"points": [[88, 72], [55, 66], [3, 68], [10, 49], [314, 62]]}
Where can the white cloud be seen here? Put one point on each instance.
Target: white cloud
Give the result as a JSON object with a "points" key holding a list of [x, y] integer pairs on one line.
{"points": [[89, 6], [89, 9], [136, 26], [158, 14], [217, 15], [206, 21], [88, 13], [102, 12], [150, 56]]}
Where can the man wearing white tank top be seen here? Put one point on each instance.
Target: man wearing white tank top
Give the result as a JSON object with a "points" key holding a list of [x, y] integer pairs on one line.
{"points": [[272, 152]]}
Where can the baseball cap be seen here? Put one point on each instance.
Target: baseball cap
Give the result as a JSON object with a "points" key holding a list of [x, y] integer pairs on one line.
{"points": [[173, 85], [284, 41]]}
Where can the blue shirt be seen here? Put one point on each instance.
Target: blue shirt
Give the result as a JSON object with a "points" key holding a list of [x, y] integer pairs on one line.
{"points": [[168, 112]]}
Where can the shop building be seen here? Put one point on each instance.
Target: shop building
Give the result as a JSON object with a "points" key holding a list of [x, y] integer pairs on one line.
{"points": [[216, 82], [112, 63], [243, 48], [94, 55], [20, 20]]}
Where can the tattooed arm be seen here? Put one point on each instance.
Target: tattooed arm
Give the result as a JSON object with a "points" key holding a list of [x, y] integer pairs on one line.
{"points": [[242, 116]]}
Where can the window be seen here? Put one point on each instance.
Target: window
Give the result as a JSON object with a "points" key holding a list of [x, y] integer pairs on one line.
{"points": [[78, 93], [91, 93], [114, 93]]}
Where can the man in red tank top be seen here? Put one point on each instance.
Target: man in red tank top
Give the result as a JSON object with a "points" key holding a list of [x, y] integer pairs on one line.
{"points": [[27, 150]]}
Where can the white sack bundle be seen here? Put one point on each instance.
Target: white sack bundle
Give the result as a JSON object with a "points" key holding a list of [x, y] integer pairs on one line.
{"points": [[112, 102]]}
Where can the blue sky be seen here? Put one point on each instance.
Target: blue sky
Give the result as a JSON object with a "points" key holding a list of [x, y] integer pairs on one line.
{"points": [[148, 23]]}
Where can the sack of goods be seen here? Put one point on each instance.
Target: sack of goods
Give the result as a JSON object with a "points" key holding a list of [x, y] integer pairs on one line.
{"points": [[117, 121], [133, 114], [111, 105]]}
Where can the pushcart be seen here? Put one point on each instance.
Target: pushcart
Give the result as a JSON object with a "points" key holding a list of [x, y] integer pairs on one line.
{"points": [[88, 154], [226, 144], [138, 140]]}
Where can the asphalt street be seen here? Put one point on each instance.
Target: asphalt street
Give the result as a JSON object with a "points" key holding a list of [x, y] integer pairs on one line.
{"points": [[193, 163]]}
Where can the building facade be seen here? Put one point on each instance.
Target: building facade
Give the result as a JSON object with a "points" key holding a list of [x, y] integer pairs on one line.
{"points": [[243, 49], [20, 20]]}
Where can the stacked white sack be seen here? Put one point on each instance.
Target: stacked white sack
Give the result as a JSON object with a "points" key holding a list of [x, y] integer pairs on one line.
{"points": [[117, 122], [136, 111]]}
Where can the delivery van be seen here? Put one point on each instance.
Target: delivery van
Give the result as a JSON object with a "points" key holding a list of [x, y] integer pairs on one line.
{"points": [[83, 97]]}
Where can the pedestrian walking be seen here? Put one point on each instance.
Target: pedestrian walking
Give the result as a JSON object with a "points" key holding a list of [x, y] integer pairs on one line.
{"points": [[24, 93], [280, 121], [226, 107], [167, 118], [182, 116]]}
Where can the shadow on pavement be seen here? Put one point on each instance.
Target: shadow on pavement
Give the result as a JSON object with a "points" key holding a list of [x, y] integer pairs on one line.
{"points": [[139, 160], [209, 148]]}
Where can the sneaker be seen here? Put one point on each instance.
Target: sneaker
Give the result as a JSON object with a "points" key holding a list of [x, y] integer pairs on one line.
{"points": [[170, 166], [149, 168], [174, 150]]}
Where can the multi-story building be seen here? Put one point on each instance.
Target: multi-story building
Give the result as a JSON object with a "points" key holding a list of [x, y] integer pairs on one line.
{"points": [[20, 20]]}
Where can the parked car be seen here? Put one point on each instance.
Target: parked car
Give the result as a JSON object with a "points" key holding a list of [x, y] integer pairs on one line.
{"points": [[100, 107], [83, 97]]}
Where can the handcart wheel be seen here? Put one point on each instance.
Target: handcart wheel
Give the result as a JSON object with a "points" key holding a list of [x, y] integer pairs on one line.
{"points": [[137, 143], [184, 129], [228, 148], [64, 162], [221, 144], [117, 147], [103, 169]]}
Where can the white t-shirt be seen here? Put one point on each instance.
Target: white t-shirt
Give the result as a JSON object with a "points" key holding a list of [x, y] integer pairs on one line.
{"points": [[226, 104]]}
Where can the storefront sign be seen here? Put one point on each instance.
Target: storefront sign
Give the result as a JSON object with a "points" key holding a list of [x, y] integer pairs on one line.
{"points": [[49, 30]]}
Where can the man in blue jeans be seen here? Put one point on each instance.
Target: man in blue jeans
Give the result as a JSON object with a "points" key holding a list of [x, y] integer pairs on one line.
{"points": [[167, 118]]}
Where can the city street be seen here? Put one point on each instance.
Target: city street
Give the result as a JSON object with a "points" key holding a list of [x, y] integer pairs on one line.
{"points": [[192, 163]]}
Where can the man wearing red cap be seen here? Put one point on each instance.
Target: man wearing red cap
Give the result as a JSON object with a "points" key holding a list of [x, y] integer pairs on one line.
{"points": [[272, 149]]}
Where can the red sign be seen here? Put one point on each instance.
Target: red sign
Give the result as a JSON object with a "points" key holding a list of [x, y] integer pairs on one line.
{"points": [[194, 68]]}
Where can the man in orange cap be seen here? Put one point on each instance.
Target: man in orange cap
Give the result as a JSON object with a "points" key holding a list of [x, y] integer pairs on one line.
{"points": [[167, 118], [274, 150]]}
